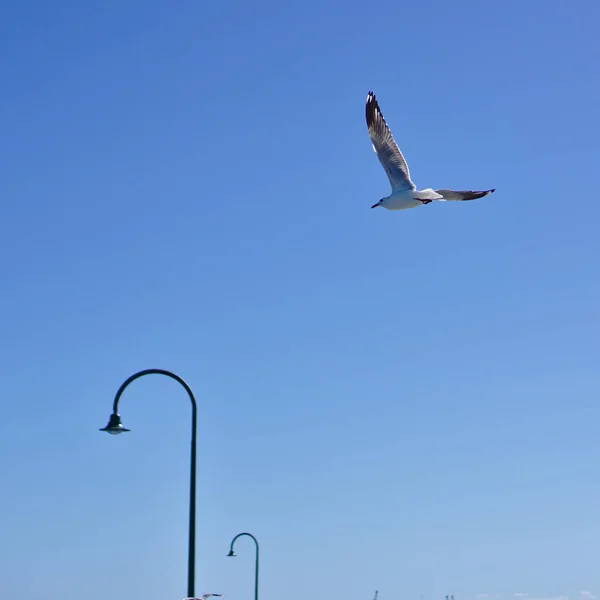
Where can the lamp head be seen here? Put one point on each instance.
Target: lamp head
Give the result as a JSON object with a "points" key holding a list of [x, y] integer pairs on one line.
{"points": [[231, 553], [114, 426]]}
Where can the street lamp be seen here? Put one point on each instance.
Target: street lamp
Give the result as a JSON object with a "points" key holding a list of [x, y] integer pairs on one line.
{"points": [[232, 553], [115, 427]]}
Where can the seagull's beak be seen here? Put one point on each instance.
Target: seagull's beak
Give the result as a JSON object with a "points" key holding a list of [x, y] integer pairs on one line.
{"points": [[376, 205]]}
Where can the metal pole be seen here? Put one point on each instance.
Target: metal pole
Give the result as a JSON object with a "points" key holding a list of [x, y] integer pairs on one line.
{"points": [[192, 527], [231, 553]]}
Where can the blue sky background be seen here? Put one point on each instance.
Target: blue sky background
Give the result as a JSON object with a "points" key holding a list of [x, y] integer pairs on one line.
{"points": [[402, 401]]}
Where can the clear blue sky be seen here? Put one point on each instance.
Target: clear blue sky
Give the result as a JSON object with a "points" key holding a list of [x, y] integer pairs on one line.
{"points": [[403, 401]]}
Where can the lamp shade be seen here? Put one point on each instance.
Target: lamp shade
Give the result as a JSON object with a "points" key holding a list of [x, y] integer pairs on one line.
{"points": [[114, 426]]}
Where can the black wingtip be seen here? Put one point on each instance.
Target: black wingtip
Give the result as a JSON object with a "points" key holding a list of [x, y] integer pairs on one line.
{"points": [[371, 108]]}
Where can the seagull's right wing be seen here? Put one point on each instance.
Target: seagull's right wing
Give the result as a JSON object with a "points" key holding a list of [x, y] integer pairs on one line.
{"points": [[385, 147], [463, 194]]}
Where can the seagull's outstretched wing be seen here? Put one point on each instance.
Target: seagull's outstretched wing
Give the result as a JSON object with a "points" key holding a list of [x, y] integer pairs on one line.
{"points": [[385, 147], [463, 194]]}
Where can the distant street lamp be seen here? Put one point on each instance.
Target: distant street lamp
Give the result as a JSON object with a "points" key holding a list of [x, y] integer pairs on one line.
{"points": [[231, 553], [115, 427]]}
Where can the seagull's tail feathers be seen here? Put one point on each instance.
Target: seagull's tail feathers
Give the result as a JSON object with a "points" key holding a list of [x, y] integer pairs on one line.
{"points": [[463, 194]]}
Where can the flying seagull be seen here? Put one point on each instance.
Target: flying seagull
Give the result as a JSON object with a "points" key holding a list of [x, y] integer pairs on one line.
{"points": [[204, 597], [404, 191]]}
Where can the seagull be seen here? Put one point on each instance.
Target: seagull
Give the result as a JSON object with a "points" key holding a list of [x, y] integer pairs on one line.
{"points": [[404, 191], [203, 597]]}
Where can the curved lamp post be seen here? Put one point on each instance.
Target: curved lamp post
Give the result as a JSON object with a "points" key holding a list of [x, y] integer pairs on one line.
{"points": [[232, 553], [115, 427]]}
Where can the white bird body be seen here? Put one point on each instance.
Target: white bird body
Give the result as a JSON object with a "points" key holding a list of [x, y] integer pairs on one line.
{"points": [[403, 199], [404, 192], [400, 200]]}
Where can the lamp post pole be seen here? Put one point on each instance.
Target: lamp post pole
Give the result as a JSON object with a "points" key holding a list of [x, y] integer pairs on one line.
{"points": [[115, 427], [232, 553]]}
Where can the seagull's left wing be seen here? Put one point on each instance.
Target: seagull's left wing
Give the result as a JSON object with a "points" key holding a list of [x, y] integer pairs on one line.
{"points": [[385, 147], [463, 194]]}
